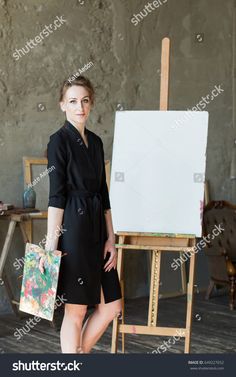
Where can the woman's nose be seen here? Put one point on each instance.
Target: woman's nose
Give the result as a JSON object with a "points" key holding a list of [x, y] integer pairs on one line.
{"points": [[80, 106]]}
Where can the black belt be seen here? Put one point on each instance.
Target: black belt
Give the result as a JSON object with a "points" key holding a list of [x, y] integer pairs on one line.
{"points": [[84, 194], [97, 216]]}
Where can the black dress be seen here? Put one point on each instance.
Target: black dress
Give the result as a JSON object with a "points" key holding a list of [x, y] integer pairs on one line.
{"points": [[78, 185]]}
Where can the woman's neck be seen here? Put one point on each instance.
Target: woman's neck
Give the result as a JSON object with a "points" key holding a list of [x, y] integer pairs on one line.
{"points": [[80, 127]]}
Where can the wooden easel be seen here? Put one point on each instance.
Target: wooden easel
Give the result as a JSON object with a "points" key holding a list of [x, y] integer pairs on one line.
{"points": [[157, 243]]}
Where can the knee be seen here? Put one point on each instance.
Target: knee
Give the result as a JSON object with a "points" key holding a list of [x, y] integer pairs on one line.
{"points": [[117, 310], [75, 316], [110, 311], [117, 313]]}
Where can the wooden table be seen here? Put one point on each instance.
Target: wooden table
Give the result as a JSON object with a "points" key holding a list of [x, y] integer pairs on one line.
{"points": [[17, 216]]}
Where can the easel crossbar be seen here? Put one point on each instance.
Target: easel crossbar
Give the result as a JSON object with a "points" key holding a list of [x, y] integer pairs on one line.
{"points": [[149, 247], [150, 330]]}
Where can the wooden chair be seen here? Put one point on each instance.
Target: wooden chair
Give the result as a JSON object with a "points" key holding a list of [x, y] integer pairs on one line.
{"points": [[221, 249]]}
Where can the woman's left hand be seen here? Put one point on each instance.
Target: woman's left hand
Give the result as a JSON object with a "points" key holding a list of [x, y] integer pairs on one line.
{"points": [[112, 261]]}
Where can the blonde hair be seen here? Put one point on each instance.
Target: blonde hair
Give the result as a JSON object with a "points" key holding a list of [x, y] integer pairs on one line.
{"points": [[81, 81]]}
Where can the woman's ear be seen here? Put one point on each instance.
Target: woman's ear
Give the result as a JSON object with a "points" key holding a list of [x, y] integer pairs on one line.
{"points": [[62, 106]]}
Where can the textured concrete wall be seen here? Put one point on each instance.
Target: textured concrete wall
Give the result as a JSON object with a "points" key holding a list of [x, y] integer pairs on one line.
{"points": [[125, 70]]}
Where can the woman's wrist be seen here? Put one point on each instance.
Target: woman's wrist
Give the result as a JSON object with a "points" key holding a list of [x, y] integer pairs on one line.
{"points": [[112, 238], [50, 247]]}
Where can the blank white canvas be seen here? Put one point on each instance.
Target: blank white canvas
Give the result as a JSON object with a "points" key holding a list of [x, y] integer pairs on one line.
{"points": [[158, 171]]}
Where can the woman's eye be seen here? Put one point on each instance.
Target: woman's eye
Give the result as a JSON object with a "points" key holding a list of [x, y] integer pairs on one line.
{"points": [[86, 100], [72, 101]]}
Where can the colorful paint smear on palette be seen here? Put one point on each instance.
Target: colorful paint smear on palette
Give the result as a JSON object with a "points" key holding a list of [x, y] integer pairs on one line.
{"points": [[38, 290]]}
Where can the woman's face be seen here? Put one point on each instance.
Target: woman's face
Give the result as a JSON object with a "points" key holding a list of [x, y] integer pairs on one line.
{"points": [[76, 104]]}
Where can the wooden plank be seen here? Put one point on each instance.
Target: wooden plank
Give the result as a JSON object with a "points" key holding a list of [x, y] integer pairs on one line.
{"points": [[150, 330], [152, 234], [27, 168], [154, 288], [7, 244], [9, 293], [165, 69], [123, 315], [34, 160], [190, 292], [28, 230], [39, 215], [183, 276], [23, 232], [115, 321], [147, 248]]}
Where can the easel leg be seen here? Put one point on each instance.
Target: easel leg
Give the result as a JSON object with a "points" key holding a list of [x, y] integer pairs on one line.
{"points": [[115, 321], [190, 292], [149, 265], [123, 315], [183, 277], [154, 288], [7, 245]]}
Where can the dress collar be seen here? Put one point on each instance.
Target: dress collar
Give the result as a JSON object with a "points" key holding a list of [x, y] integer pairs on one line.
{"points": [[77, 135], [72, 128]]}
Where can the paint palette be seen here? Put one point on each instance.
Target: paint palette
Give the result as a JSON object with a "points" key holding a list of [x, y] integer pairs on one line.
{"points": [[38, 290]]}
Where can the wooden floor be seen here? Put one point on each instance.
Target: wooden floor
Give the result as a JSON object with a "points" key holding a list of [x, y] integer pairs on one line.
{"points": [[214, 328]]}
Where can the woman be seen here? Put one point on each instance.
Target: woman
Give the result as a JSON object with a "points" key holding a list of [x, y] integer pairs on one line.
{"points": [[79, 205]]}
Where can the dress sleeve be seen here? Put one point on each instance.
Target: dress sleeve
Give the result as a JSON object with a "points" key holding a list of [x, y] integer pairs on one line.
{"points": [[104, 188], [57, 165]]}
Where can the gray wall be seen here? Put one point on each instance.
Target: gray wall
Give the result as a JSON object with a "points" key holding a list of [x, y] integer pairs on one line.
{"points": [[126, 71]]}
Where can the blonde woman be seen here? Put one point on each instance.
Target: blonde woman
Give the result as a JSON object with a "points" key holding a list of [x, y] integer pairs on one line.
{"points": [[79, 204]]}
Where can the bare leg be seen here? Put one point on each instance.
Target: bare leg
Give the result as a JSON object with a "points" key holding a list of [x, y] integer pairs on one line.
{"points": [[71, 328], [98, 321]]}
